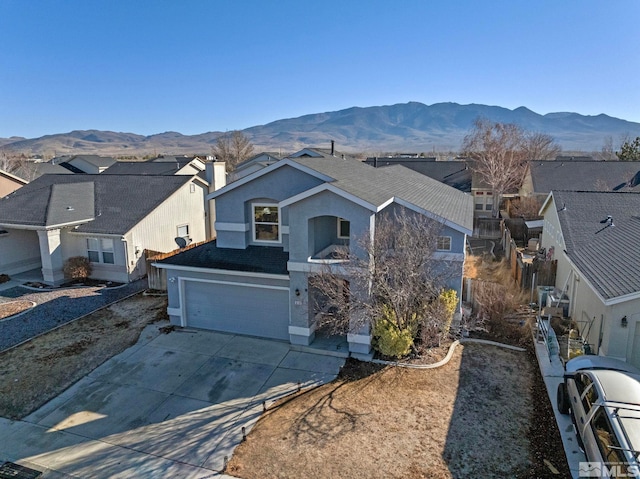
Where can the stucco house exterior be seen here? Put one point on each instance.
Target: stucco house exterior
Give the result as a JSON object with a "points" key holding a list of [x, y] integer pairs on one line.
{"points": [[278, 226], [594, 238], [9, 183], [111, 219]]}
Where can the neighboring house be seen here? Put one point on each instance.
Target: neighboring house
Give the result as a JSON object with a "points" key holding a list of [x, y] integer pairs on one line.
{"points": [[594, 238], [110, 219], [159, 166], [279, 225], [9, 183], [453, 173], [30, 170], [253, 164], [90, 164], [542, 177]]}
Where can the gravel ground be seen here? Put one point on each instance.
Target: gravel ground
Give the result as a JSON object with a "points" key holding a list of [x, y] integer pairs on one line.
{"points": [[56, 307]]}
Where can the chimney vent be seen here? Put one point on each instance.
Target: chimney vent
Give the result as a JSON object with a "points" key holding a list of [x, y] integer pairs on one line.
{"points": [[333, 148]]}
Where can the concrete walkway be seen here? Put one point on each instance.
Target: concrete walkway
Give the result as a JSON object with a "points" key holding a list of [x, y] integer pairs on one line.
{"points": [[171, 406], [552, 373]]}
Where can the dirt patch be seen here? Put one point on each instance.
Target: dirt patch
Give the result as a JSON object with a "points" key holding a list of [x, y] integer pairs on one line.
{"points": [[470, 418], [39, 370], [14, 307]]}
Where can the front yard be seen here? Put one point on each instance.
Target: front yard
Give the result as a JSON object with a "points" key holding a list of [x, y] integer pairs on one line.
{"points": [[474, 417], [34, 372]]}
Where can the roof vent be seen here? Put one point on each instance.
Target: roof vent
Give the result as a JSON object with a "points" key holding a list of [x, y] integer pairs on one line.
{"points": [[69, 208]]}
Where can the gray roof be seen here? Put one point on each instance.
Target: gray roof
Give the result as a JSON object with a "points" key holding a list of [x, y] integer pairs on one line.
{"points": [[142, 168], [255, 259], [607, 256], [378, 185], [456, 174], [33, 170], [585, 176], [113, 204], [96, 160]]}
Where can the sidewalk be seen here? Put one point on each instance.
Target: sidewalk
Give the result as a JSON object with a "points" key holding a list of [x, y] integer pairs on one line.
{"points": [[552, 373]]}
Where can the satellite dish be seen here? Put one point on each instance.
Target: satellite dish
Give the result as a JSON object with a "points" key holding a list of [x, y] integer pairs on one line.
{"points": [[181, 242]]}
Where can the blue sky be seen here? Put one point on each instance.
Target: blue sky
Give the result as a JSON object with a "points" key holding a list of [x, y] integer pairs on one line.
{"points": [[195, 66]]}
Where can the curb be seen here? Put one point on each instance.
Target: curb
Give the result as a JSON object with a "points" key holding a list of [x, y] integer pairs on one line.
{"points": [[447, 358], [13, 316]]}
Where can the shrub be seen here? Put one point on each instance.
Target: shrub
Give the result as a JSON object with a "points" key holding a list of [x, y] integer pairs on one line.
{"points": [[78, 267], [4, 278], [389, 339], [437, 320]]}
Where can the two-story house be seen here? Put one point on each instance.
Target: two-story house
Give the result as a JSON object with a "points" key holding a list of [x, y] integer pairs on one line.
{"points": [[278, 226]]}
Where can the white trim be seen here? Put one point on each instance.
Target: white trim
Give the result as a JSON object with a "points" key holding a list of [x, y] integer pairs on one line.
{"points": [[359, 338], [254, 239], [430, 214], [338, 222], [331, 188], [184, 279], [442, 249], [266, 170], [447, 256], [45, 227], [13, 177], [300, 331], [545, 204], [235, 227], [303, 267], [196, 269]]}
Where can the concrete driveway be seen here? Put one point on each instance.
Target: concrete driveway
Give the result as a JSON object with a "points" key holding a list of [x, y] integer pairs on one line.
{"points": [[172, 406]]}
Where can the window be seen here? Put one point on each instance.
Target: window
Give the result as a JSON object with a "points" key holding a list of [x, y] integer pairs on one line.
{"points": [[344, 229], [479, 204], [266, 223], [489, 205], [606, 438], [444, 243], [183, 231], [100, 250]]}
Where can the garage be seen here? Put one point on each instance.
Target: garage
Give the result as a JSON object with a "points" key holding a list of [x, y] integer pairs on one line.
{"points": [[243, 308]]}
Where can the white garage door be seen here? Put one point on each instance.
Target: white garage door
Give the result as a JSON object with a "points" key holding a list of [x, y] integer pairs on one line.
{"points": [[242, 309]]}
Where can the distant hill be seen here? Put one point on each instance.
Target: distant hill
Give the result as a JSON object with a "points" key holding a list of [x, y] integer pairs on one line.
{"points": [[403, 127]]}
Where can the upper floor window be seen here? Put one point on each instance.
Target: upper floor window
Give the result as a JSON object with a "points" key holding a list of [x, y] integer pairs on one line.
{"points": [[100, 250], [266, 223], [344, 228], [443, 243]]}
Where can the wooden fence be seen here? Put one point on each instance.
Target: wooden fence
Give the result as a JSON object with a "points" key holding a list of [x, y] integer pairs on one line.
{"points": [[157, 277], [529, 269]]}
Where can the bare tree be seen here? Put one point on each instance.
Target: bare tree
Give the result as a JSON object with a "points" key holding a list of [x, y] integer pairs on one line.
{"points": [[540, 146], [233, 148], [17, 165], [499, 154], [607, 152], [391, 277]]}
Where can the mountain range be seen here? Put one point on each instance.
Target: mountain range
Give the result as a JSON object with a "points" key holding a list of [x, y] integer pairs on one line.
{"points": [[406, 127]]}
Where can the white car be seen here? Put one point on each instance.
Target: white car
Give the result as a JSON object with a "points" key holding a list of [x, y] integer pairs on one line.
{"points": [[603, 397]]}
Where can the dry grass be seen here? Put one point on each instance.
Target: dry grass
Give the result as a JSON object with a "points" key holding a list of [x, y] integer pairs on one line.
{"points": [[467, 419], [39, 370]]}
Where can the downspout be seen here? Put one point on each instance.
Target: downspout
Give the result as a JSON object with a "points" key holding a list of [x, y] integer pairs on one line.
{"points": [[126, 257]]}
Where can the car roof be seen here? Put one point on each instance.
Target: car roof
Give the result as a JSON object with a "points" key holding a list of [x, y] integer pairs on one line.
{"points": [[589, 361], [618, 386]]}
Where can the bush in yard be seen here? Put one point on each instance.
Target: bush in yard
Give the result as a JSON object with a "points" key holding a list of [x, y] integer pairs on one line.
{"points": [[78, 267], [4, 278], [436, 323], [389, 339]]}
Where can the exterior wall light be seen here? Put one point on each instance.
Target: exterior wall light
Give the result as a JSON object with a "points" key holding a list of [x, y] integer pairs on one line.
{"points": [[623, 322]]}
